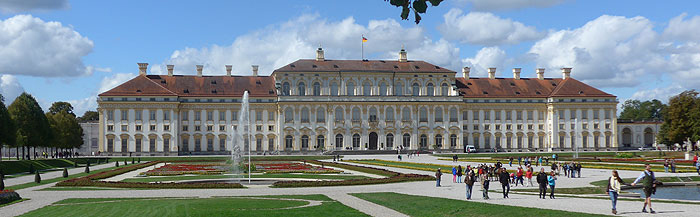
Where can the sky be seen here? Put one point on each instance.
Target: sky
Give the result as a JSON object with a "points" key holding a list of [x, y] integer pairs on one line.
{"points": [[72, 50]]}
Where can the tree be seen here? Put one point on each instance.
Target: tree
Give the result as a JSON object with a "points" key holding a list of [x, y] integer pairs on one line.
{"points": [[418, 6], [57, 107], [89, 116], [681, 119], [638, 110], [66, 129], [7, 127], [32, 126]]}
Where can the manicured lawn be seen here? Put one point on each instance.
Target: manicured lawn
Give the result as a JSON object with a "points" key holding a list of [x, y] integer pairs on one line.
{"points": [[221, 158], [530, 154], [218, 206], [276, 175], [48, 181], [430, 206], [430, 167]]}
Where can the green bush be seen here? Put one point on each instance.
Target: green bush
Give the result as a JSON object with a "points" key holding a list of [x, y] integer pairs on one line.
{"points": [[37, 177], [2, 184], [65, 172], [116, 163], [31, 168], [8, 196], [22, 166], [75, 164], [87, 168], [132, 161], [624, 155]]}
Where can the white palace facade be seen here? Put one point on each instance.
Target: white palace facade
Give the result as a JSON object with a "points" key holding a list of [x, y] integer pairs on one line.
{"points": [[313, 105]]}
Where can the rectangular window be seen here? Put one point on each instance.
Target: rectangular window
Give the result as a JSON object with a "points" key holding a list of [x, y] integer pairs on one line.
{"points": [[258, 115], [166, 143], [585, 141], [607, 140], [166, 115], [561, 140], [509, 127], [529, 115], [607, 126], [540, 127], [573, 126], [110, 145], [210, 128], [596, 114], [184, 116], [222, 115], [573, 114], [519, 115], [520, 127], [529, 127], [607, 114], [596, 143], [476, 127], [152, 145], [197, 115], [465, 116], [138, 145], [110, 127], [234, 116], [270, 128], [110, 115], [153, 128], [185, 128], [152, 115], [487, 115], [258, 128], [498, 127], [561, 114], [125, 127], [137, 115], [222, 128], [561, 126], [222, 144], [487, 127], [166, 127], [138, 127], [210, 116], [540, 115], [584, 114], [540, 141], [198, 128], [270, 115], [499, 114], [596, 126], [584, 126], [125, 115]]}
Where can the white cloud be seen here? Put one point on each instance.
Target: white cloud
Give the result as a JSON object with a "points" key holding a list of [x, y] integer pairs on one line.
{"points": [[610, 51], [660, 93], [115, 80], [278, 45], [485, 29], [487, 57], [14, 6], [497, 5], [80, 106], [10, 88], [30, 46], [680, 28]]}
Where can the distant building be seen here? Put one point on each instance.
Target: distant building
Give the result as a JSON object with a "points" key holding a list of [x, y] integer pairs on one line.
{"points": [[637, 133], [320, 104], [91, 135]]}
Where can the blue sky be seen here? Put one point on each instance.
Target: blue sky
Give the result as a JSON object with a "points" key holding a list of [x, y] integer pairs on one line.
{"points": [[61, 50]]}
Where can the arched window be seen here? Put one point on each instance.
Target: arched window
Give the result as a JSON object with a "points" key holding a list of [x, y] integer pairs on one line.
{"points": [[406, 114], [317, 89], [438, 114], [334, 89], [339, 141], [389, 140], [366, 88], [288, 141], [304, 142], [339, 114], [415, 89], [372, 114], [406, 140], [423, 141], [356, 141], [444, 89], [302, 89], [431, 90], [285, 89], [423, 114], [390, 114], [320, 141], [453, 140], [356, 114], [453, 115], [288, 115], [382, 89], [305, 115], [320, 115], [438, 140], [398, 90], [351, 89]]}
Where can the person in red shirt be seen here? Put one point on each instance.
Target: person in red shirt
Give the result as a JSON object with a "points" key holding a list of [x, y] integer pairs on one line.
{"points": [[528, 175], [519, 176]]}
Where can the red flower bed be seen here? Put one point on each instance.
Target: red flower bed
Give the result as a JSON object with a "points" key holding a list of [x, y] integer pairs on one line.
{"points": [[290, 167], [7, 196], [180, 169]]}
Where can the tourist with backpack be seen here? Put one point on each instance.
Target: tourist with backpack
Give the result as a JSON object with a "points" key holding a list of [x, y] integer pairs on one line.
{"points": [[542, 181], [648, 185]]}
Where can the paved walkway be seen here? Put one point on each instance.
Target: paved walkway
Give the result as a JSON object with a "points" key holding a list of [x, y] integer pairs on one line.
{"points": [[426, 188], [132, 174], [50, 175]]}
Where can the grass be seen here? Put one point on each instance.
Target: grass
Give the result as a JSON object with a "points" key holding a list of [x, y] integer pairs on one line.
{"points": [[13, 202], [431, 206], [88, 189], [58, 179], [602, 184], [218, 206], [277, 175], [21, 167], [530, 154], [222, 158]]}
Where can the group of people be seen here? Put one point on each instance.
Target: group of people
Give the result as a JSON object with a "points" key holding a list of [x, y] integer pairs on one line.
{"points": [[528, 161], [670, 163]]}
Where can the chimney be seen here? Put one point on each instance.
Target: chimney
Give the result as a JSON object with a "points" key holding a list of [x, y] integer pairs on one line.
{"points": [[170, 69], [516, 73], [566, 73], [402, 56], [465, 72], [319, 54], [199, 70], [142, 68], [228, 70], [492, 73], [255, 70], [540, 73]]}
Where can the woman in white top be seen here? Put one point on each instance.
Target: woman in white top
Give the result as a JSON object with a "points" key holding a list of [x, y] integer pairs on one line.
{"points": [[614, 187]]}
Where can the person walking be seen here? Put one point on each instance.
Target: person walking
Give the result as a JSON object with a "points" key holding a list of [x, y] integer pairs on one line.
{"points": [[648, 185], [542, 181], [578, 169], [539, 161], [519, 176], [504, 178], [510, 162], [454, 174], [459, 174], [614, 187], [666, 164], [551, 180], [485, 186], [469, 182], [438, 175], [673, 165], [697, 167], [528, 175]]}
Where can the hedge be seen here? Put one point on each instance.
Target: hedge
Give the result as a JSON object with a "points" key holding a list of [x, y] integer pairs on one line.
{"points": [[22, 166], [7, 196]]}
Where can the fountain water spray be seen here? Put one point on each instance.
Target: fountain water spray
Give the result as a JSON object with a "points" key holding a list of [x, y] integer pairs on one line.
{"points": [[241, 136]]}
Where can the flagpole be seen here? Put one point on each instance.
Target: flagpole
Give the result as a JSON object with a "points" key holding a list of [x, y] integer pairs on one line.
{"points": [[362, 40]]}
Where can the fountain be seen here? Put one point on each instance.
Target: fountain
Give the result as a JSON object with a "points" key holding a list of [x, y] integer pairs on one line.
{"points": [[241, 136]]}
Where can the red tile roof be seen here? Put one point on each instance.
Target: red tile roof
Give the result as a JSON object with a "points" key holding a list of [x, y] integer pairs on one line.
{"points": [[526, 88], [189, 85], [412, 66]]}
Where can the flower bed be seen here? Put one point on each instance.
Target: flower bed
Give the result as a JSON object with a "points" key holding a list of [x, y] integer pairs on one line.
{"points": [[292, 167], [393, 177], [8, 196], [182, 169]]}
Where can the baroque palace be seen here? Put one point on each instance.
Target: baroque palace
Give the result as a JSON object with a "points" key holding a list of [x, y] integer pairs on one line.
{"points": [[322, 105]]}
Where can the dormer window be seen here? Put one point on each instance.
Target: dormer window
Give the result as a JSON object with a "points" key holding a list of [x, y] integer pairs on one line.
{"points": [[213, 91], [437, 67], [313, 66], [538, 93], [213, 82], [138, 91], [485, 92], [416, 67], [396, 67], [516, 92], [512, 84], [292, 65], [580, 92], [162, 81], [186, 91], [335, 66], [258, 82]]}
